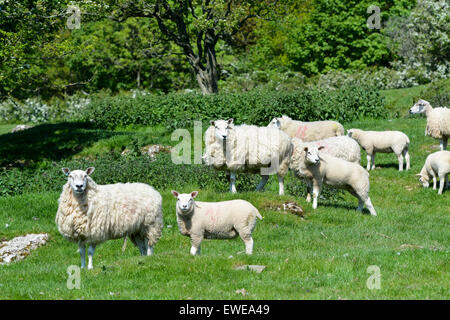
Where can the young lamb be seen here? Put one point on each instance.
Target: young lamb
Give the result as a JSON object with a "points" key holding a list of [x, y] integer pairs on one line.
{"points": [[436, 165], [384, 142], [215, 220], [308, 131], [322, 167], [341, 147], [438, 121], [247, 148], [90, 214]]}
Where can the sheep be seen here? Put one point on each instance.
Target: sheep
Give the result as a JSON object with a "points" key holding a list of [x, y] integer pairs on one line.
{"points": [[322, 167], [215, 220], [91, 214], [384, 142], [341, 147], [247, 148], [437, 164], [308, 131], [438, 121]]}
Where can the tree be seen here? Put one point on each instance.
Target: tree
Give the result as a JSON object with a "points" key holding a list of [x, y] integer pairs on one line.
{"points": [[196, 26]]}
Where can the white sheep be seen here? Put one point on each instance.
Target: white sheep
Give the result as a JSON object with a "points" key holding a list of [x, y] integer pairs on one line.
{"points": [[322, 167], [383, 142], [438, 121], [247, 148], [215, 220], [436, 165], [89, 213], [341, 147], [308, 131]]}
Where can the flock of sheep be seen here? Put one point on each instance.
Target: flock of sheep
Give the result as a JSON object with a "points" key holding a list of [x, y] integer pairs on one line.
{"points": [[318, 152]]}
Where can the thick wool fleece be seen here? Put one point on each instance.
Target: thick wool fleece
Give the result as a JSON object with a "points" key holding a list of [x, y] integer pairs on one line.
{"points": [[381, 141], [106, 212], [311, 131], [438, 122], [341, 147], [248, 148]]}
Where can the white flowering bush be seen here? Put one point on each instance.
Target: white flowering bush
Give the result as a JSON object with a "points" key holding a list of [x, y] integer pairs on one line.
{"points": [[421, 41]]}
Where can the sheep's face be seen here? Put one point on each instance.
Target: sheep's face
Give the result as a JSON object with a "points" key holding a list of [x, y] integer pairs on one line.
{"points": [[185, 201], [419, 107], [312, 154], [275, 123], [350, 132], [78, 179], [423, 180], [222, 127]]}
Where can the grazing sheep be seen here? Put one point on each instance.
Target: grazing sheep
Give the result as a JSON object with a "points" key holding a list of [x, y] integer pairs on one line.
{"points": [[215, 220], [322, 167], [341, 147], [308, 131], [384, 142], [438, 121], [247, 148], [89, 213], [436, 165]]}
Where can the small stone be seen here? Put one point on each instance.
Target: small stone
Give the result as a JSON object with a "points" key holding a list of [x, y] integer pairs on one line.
{"points": [[252, 267], [241, 291]]}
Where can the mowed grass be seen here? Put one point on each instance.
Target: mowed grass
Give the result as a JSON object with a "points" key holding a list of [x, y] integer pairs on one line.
{"points": [[324, 256]]}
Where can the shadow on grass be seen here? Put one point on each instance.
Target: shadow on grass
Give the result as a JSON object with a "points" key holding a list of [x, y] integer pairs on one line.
{"points": [[48, 142]]}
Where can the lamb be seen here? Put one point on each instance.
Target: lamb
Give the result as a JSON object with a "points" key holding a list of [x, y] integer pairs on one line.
{"points": [[437, 164], [308, 131], [321, 167], [91, 214], [247, 148], [438, 121], [215, 220], [384, 142], [341, 147]]}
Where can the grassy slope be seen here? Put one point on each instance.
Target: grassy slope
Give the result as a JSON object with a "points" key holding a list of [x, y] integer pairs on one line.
{"points": [[325, 256]]}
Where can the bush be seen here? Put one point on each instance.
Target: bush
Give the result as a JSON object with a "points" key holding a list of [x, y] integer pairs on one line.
{"points": [[256, 107], [437, 93]]}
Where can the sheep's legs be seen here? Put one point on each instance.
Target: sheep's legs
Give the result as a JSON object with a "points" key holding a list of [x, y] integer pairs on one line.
{"points": [[443, 143], [195, 244], [263, 182], [442, 182], [232, 182], [280, 185], [248, 245], [407, 159], [400, 162], [316, 191], [308, 190], [371, 161], [369, 206], [91, 251], [82, 249]]}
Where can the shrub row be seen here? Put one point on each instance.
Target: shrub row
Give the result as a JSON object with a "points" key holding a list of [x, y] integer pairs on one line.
{"points": [[160, 173], [256, 107]]}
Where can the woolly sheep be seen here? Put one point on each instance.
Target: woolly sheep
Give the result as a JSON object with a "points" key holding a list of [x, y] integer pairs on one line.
{"points": [[436, 165], [341, 147], [308, 131], [89, 213], [438, 121], [321, 167], [215, 220], [383, 142], [247, 148]]}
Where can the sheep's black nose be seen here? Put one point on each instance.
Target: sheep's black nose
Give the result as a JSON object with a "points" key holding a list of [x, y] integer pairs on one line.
{"points": [[224, 137], [79, 186]]}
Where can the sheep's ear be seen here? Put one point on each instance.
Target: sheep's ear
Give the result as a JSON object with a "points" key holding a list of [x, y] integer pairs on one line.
{"points": [[230, 121], [66, 171], [90, 170], [212, 122], [174, 193], [194, 194], [321, 147]]}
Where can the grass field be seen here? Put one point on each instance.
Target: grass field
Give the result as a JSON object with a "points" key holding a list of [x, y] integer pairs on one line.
{"points": [[323, 256]]}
